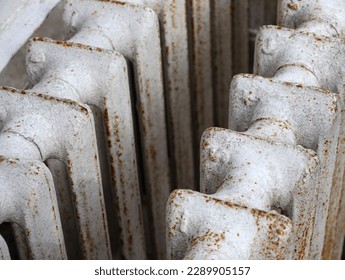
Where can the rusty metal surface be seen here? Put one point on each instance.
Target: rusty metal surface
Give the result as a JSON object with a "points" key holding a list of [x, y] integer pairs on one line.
{"points": [[323, 17], [201, 64], [205, 227], [254, 97], [311, 113], [173, 20], [278, 118], [134, 32], [280, 50], [70, 71], [340, 229], [221, 17], [273, 184], [178, 92], [249, 170], [28, 199], [232, 168], [71, 141]]}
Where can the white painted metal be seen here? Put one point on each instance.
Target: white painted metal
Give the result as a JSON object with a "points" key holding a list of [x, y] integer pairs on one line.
{"points": [[311, 117], [323, 17], [134, 32], [4, 252], [286, 111], [274, 57], [173, 20], [48, 127], [203, 227], [28, 199], [245, 172], [18, 20], [98, 77], [268, 187], [281, 51]]}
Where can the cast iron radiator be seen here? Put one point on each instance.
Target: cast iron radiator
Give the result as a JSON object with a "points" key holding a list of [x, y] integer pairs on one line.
{"points": [[106, 123]]}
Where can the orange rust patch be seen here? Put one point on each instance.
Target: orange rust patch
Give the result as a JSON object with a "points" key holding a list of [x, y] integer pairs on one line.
{"points": [[211, 238], [69, 44], [69, 102], [212, 156], [130, 241], [225, 203], [293, 6], [205, 144], [107, 124], [69, 164], [152, 153]]}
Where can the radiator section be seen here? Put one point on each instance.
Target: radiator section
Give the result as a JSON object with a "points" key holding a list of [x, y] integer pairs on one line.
{"points": [[28, 199], [246, 168], [68, 72], [135, 135]]}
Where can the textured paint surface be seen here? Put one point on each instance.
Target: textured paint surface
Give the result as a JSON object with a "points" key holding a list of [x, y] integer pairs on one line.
{"points": [[28, 199], [72, 142], [69, 71], [16, 17], [284, 156], [138, 39]]}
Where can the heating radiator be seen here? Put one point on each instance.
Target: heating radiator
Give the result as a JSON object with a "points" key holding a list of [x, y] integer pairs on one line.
{"points": [[108, 122]]}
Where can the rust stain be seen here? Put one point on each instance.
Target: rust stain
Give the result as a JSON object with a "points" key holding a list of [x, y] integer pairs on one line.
{"points": [[282, 124], [320, 39], [167, 53], [69, 102], [70, 45], [125, 209], [69, 164], [212, 156], [27, 232], [129, 238], [117, 3], [130, 242], [211, 238], [106, 122], [293, 6], [117, 129], [172, 10], [209, 199], [152, 153], [205, 144], [88, 241]]}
